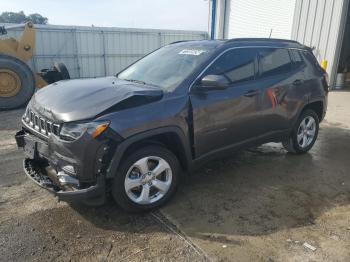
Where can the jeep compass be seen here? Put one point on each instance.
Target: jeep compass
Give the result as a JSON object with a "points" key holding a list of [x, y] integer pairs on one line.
{"points": [[134, 134]]}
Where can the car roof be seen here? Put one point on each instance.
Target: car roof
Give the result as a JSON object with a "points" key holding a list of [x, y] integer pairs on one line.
{"points": [[243, 42], [273, 42], [206, 43]]}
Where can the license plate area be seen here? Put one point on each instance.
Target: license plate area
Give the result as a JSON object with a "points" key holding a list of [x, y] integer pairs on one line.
{"points": [[30, 148]]}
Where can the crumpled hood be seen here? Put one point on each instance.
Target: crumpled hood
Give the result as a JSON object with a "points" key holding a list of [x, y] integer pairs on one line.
{"points": [[72, 100]]}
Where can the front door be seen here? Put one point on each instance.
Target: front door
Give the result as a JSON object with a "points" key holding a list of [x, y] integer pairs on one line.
{"points": [[222, 118]]}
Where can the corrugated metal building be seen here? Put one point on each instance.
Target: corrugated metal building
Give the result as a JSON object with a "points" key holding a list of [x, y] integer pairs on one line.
{"points": [[322, 24], [98, 51], [253, 18]]}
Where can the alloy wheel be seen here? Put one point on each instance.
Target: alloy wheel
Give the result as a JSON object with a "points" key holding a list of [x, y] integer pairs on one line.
{"points": [[306, 131], [148, 180]]}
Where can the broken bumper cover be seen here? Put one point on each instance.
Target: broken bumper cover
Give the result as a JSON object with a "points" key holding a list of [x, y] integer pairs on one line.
{"points": [[46, 163], [39, 175]]}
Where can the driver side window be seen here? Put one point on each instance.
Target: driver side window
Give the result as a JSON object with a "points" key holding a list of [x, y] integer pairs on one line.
{"points": [[237, 65]]}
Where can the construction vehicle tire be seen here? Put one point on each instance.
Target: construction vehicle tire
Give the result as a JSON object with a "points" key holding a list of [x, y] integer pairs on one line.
{"points": [[17, 82]]}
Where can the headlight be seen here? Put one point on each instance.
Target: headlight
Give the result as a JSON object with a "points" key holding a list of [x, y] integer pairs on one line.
{"points": [[72, 131]]}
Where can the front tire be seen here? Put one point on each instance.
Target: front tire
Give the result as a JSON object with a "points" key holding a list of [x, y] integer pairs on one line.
{"points": [[146, 179], [304, 134]]}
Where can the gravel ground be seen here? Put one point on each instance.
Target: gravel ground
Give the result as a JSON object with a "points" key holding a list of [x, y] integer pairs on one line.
{"points": [[257, 205]]}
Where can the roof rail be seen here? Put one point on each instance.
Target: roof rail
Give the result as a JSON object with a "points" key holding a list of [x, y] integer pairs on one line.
{"points": [[262, 39], [180, 41]]}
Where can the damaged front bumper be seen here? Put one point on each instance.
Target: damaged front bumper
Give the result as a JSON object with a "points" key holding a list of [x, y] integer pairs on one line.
{"points": [[40, 166], [39, 172]]}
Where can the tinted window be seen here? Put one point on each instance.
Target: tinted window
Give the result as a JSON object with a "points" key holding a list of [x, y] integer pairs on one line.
{"points": [[298, 59], [274, 61], [311, 59], [237, 65]]}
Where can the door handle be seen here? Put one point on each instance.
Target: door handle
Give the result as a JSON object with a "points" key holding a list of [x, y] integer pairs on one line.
{"points": [[251, 93], [298, 82]]}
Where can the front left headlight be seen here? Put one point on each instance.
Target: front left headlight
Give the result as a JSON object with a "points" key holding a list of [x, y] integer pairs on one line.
{"points": [[74, 130]]}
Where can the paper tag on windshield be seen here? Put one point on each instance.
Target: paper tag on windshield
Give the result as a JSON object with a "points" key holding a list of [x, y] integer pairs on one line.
{"points": [[192, 52]]}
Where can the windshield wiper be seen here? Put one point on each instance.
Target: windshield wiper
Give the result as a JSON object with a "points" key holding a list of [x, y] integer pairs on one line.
{"points": [[135, 81], [140, 82]]}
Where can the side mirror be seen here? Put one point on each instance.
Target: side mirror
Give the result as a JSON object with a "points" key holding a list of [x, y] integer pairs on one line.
{"points": [[214, 82]]}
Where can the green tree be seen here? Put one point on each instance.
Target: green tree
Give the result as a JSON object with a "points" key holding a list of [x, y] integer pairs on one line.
{"points": [[11, 17], [20, 17], [37, 19]]}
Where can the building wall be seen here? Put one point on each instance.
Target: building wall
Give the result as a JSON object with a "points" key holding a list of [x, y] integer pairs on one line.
{"points": [[344, 61], [220, 19], [98, 51], [254, 18], [320, 24]]}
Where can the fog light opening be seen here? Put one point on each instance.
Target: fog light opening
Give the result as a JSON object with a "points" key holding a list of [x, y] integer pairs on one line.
{"points": [[69, 169]]}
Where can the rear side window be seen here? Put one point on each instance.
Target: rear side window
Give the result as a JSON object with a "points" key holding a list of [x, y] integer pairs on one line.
{"points": [[297, 57], [273, 61], [237, 65], [311, 59]]}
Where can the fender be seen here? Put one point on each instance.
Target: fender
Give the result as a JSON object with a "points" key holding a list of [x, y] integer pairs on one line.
{"points": [[294, 119], [313, 100], [316, 99], [123, 146], [308, 102]]}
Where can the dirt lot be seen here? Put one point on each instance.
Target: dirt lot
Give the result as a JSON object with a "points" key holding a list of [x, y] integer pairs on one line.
{"points": [[257, 205]]}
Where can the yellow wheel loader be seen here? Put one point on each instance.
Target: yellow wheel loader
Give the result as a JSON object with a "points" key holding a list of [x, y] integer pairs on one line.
{"points": [[17, 80]]}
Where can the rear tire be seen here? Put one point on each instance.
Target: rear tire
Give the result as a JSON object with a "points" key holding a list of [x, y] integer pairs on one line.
{"points": [[19, 73], [304, 133], [140, 172]]}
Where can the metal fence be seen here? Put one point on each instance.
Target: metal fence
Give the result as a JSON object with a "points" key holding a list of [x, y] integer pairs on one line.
{"points": [[98, 51]]}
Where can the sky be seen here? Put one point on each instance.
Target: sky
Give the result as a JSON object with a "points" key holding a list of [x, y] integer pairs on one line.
{"points": [[158, 14]]}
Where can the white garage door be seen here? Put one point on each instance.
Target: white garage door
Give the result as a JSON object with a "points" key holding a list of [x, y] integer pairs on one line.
{"points": [[256, 18]]}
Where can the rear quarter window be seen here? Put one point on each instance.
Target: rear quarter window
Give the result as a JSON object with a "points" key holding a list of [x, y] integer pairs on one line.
{"points": [[298, 61], [274, 61], [311, 59]]}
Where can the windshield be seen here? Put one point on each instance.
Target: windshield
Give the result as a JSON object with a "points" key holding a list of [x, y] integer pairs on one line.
{"points": [[167, 67]]}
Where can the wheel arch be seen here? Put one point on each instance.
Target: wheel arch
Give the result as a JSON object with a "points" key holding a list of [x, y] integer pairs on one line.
{"points": [[317, 106], [172, 137]]}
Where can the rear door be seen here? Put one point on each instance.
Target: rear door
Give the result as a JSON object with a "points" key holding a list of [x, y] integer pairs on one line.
{"points": [[225, 117], [277, 77]]}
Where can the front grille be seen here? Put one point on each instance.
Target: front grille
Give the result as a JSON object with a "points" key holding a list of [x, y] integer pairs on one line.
{"points": [[40, 124]]}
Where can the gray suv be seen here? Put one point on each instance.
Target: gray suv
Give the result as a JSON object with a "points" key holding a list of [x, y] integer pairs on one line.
{"points": [[135, 133]]}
